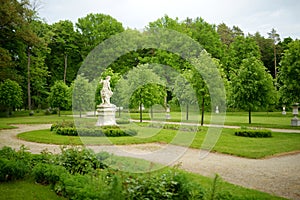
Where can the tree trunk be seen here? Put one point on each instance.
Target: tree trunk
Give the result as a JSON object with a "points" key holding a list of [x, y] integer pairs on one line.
{"points": [[141, 113], [28, 79], [202, 111], [249, 116], [151, 110], [187, 111], [66, 65], [80, 111], [275, 63]]}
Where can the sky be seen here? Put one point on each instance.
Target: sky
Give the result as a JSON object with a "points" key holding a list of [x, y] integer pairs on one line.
{"points": [[249, 15]]}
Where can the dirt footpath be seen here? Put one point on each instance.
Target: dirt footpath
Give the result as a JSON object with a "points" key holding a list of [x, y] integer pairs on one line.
{"points": [[277, 175]]}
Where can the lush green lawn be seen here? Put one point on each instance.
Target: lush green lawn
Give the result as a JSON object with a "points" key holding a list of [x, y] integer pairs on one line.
{"points": [[26, 190], [228, 143], [259, 119], [35, 119]]}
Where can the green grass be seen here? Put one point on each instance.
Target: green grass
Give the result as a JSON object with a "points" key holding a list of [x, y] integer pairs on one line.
{"points": [[26, 190], [259, 119], [35, 119], [228, 143]]}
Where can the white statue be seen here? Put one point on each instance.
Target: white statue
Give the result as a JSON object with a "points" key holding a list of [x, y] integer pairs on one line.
{"points": [[106, 92]]}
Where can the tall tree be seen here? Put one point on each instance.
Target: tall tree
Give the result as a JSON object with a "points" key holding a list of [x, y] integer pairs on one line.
{"points": [[59, 96], [141, 87], [83, 95], [184, 91], [252, 86], [266, 51], [274, 36], [242, 48], [289, 74], [64, 59], [10, 95], [17, 40], [95, 28]]}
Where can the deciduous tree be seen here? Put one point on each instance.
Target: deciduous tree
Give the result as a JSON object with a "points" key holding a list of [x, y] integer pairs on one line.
{"points": [[252, 86]]}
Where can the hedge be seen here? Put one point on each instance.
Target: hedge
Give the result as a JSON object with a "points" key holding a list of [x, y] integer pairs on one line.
{"points": [[108, 132], [254, 133]]}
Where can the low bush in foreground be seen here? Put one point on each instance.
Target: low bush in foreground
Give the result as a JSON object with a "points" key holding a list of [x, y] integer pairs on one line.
{"points": [[77, 174], [257, 133]]}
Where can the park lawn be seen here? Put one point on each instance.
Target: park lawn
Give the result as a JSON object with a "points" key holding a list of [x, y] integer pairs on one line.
{"points": [[228, 143], [26, 189], [259, 119], [6, 122]]}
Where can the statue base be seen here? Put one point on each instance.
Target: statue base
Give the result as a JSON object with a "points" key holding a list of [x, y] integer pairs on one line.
{"points": [[295, 122], [106, 115]]}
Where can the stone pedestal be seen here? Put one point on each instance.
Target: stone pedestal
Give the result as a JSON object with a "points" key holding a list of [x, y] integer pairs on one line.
{"points": [[295, 122], [106, 115]]}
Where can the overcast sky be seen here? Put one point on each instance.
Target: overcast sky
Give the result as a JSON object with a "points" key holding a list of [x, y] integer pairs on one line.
{"points": [[250, 15]]}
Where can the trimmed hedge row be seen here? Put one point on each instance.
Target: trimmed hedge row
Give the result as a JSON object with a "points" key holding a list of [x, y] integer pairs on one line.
{"points": [[175, 127], [254, 133], [108, 132], [63, 124]]}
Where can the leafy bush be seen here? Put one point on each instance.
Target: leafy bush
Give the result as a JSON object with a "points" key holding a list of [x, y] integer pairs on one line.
{"points": [[63, 124], [170, 185], [253, 133], [175, 127], [88, 187], [81, 161], [48, 173], [97, 132], [12, 169], [123, 121]]}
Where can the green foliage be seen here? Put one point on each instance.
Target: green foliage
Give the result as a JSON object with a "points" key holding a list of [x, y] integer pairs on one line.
{"points": [[12, 169], [59, 96], [83, 94], [289, 74], [170, 185], [10, 95], [252, 87], [175, 127], [48, 173], [95, 28], [14, 164], [62, 124], [258, 133], [100, 132], [79, 160]]}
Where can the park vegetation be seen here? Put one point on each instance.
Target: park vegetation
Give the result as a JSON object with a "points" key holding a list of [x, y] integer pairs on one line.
{"points": [[40, 61], [79, 173]]}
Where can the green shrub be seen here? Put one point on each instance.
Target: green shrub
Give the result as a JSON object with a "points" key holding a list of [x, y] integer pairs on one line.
{"points": [[80, 187], [257, 133], [170, 185], [97, 132], [12, 169], [48, 173], [123, 121], [79, 160], [63, 124], [175, 127]]}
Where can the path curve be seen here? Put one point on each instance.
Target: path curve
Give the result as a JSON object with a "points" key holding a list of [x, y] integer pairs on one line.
{"points": [[276, 175]]}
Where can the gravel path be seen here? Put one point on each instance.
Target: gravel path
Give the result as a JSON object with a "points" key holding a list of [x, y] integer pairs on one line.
{"points": [[276, 175]]}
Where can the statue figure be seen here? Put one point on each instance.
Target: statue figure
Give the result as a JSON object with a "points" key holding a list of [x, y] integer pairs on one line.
{"points": [[106, 92]]}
